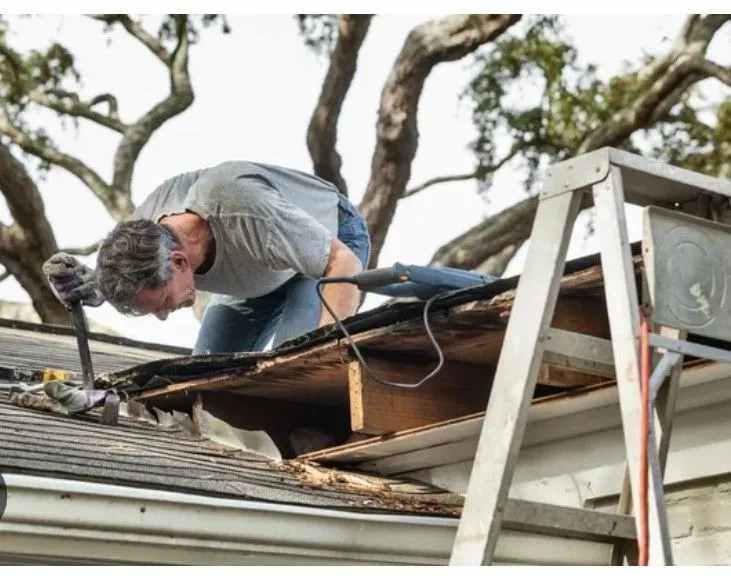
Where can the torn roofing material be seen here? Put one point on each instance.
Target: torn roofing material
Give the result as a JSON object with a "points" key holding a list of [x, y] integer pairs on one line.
{"points": [[136, 453], [142, 454]]}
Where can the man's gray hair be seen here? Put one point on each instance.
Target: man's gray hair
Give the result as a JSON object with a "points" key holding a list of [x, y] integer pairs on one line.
{"points": [[135, 255]]}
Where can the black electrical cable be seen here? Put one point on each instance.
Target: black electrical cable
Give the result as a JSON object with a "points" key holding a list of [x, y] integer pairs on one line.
{"points": [[427, 305]]}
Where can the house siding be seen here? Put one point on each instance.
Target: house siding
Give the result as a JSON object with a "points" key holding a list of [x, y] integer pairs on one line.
{"points": [[586, 469], [699, 516]]}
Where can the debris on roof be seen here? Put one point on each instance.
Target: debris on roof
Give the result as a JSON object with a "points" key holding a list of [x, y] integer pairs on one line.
{"points": [[139, 453]]}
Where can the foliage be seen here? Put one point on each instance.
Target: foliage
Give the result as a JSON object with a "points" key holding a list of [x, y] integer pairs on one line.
{"points": [[319, 31], [52, 71], [571, 103], [685, 140]]}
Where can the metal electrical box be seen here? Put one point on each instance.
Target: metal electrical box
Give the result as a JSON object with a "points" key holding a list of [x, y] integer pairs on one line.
{"points": [[688, 263]]}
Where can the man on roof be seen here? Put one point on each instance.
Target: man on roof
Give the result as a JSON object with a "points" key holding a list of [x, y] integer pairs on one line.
{"points": [[257, 236]]}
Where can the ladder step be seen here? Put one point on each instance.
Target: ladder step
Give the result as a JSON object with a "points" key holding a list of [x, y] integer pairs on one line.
{"points": [[579, 523]]}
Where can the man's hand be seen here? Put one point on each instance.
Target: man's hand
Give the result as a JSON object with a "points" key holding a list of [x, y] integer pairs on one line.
{"points": [[72, 281], [342, 298]]}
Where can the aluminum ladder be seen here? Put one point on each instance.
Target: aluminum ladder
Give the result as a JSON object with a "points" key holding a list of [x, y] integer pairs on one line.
{"points": [[607, 178]]}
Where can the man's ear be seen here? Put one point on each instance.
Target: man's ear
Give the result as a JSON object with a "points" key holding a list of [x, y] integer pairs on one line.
{"points": [[180, 260]]}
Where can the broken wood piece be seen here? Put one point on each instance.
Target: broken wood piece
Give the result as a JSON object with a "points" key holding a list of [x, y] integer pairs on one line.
{"points": [[457, 390], [559, 377]]}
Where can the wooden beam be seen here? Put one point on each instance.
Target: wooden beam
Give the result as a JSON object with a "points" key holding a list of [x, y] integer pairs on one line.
{"points": [[579, 352], [457, 390], [559, 377], [583, 314]]}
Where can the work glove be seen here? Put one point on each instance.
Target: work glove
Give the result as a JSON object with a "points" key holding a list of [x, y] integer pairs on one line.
{"points": [[72, 281], [74, 398]]}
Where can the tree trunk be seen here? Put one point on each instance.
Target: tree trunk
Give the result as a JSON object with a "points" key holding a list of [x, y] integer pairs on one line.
{"points": [[29, 241], [498, 237], [322, 131], [397, 135]]}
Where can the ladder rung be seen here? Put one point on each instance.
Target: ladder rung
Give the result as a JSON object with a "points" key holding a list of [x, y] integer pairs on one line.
{"points": [[579, 523]]}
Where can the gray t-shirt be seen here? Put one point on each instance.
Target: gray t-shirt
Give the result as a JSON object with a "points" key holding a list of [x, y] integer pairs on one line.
{"points": [[269, 223]]}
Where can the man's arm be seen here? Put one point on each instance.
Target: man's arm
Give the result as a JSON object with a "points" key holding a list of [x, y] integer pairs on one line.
{"points": [[342, 298]]}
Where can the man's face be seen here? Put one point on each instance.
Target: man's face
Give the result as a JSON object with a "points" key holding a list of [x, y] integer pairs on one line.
{"points": [[179, 292]]}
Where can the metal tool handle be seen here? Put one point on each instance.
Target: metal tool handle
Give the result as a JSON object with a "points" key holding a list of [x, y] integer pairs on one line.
{"points": [[81, 328], [372, 279]]}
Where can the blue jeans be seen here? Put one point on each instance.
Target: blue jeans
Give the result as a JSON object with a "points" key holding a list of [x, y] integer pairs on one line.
{"points": [[237, 325]]}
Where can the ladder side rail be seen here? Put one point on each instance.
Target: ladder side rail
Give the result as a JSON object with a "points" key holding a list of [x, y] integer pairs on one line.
{"points": [[515, 379], [666, 400], [623, 306]]}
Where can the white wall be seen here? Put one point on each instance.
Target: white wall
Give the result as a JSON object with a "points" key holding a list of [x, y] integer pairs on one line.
{"points": [[586, 468]]}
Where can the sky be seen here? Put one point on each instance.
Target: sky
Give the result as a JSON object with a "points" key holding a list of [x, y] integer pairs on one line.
{"points": [[255, 90]]}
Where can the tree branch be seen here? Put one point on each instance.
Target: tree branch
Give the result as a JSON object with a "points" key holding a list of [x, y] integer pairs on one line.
{"points": [[118, 204], [322, 130], [663, 92], [667, 80], [664, 107], [13, 59], [510, 227], [477, 173], [24, 201], [71, 105], [439, 180], [29, 241], [117, 196], [111, 101], [711, 69], [62, 101], [397, 136], [180, 98], [136, 30]]}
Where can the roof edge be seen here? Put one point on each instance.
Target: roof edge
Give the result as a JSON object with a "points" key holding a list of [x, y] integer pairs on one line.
{"points": [[96, 336]]}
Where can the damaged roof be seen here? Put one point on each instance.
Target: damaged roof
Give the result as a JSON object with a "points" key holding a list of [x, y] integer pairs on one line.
{"points": [[317, 369], [141, 454], [468, 323], [38, 441]]}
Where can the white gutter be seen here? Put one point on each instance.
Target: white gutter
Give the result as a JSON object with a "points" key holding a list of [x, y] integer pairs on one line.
{"points": [[581, 402], [700, 385], [67, 520]]}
